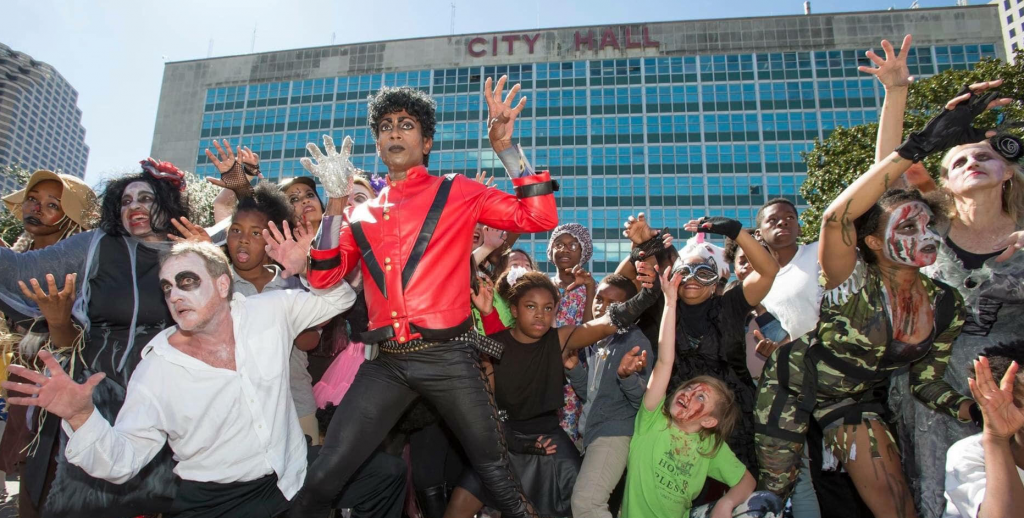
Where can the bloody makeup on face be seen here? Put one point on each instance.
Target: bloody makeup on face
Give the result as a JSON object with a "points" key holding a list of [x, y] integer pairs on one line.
{"points": [[692, 402], [305, 202], [908, 239], [137, 204], [41, 211]]}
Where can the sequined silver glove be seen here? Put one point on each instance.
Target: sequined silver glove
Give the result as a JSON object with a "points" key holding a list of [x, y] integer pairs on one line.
{"points": [[335, 170]]}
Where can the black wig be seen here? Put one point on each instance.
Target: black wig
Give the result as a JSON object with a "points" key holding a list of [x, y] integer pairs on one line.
{"points": [[395, 99], [170, 204]]}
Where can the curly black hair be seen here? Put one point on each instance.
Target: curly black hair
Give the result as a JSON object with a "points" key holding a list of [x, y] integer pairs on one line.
{"points": [[170, 204], [392, 99], [268, 200], [1000, 356], [622, 283], [872, 221], [528, 281]]}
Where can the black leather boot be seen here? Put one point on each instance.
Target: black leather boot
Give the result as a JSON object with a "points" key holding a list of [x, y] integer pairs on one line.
{"points": [[433, 501]]}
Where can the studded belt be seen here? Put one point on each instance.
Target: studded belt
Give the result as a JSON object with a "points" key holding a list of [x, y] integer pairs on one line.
{"points": [[482, 343]]}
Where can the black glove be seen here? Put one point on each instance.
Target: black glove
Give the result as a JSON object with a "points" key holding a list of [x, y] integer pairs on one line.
{"points": [[729, 228], [236, 181], [949, 128], [624, 314], [650, 248], [517, 444], [976, 415]]}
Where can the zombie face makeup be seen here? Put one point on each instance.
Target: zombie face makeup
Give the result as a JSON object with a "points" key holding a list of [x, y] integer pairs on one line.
{"points": [[908, 239], [190, 292], [306, 203], [137, 208], [478, 235], [41, 211], [359, 196], [975, 167], [692, 403]]}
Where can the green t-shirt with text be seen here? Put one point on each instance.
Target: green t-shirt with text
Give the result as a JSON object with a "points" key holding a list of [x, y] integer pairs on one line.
{"points": [[666, 469]]}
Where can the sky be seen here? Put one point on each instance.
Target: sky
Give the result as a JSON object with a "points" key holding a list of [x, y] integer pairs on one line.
{"points": [[113, 52]]}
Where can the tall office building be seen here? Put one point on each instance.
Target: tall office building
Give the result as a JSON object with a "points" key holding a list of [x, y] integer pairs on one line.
{"points": [[676, 119], [1011, 15], [40, 123]]}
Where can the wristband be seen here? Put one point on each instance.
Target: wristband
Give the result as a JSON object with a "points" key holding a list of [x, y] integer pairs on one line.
{"points": [[976, 417], [515, 162]]}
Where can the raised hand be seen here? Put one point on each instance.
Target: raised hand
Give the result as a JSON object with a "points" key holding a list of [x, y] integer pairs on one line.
{"points": [[953, 126], [918, 177], [638, 230], [232, 174], [633, 362], [765, 347], [189, 231], [483, 298], [892, 71], [580, 277], [727, 227], [501, 115], [55, 305], [646, 275], [493, 238], [1002, 418], [670, 285], [57, 393], [283, 248], [335, 169], [483, 178]]}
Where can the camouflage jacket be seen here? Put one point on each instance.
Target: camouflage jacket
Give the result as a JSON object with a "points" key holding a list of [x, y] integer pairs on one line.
{"points": [[856, 328]]}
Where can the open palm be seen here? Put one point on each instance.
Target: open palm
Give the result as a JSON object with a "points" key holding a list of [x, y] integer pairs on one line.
{"points": [[57, 393], [892, 71], [1002, 418], [289, 250]]}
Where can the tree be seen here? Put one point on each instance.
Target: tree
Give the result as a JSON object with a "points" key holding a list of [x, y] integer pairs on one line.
{"points": [[11, 226], [847, 152], [200, 196]]}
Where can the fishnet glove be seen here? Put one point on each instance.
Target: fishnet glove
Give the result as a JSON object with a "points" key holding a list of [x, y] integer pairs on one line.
{"points": [[335, 170]]}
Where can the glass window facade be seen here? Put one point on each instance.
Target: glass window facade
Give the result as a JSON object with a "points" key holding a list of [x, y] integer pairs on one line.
{"points": [[676, 137]]}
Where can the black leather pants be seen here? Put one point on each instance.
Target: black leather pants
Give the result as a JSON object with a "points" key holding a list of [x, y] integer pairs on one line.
{"points": [[450, 377]]}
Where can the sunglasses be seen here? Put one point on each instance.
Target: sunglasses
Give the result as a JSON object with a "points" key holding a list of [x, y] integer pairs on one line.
{"points": [[705, 274]]}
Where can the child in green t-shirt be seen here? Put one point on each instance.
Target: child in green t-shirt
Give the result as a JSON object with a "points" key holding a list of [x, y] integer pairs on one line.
{"points": [[678, 442]]}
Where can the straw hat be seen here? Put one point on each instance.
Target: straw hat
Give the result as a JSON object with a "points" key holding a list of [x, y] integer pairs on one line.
{"points": [[78, 201]]}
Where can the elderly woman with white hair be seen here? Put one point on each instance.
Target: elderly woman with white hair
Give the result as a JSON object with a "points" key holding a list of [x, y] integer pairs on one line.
{"points": [[709, 334]]}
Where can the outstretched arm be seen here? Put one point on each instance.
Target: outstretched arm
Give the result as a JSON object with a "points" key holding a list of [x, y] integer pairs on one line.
{"points": [[112, 453], [757, 285], [837, 252], [657, 387], [895, 77]]}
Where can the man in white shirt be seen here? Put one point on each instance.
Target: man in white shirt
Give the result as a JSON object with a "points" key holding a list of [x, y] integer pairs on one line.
{"points": [[795, 297], [984, 475], [215, 387]]}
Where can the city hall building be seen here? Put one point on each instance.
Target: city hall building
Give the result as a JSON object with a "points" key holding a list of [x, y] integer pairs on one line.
{"points": [[676, 119]]}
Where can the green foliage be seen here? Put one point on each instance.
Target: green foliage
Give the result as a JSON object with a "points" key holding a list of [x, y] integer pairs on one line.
{"points": [[838, 160], [11, 226]]}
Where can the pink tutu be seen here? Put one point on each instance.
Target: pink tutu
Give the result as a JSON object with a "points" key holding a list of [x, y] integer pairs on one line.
{"points": [[338, 378]]}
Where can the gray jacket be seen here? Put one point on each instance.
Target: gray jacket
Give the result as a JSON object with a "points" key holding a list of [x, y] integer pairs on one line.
{"points": [[610, 404]]}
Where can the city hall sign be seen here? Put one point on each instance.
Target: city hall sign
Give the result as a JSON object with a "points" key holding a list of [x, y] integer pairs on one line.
{"points": [[616, 37]]}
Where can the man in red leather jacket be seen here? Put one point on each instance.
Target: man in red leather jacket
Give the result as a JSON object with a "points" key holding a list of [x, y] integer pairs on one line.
{"points": [[414, 242]]}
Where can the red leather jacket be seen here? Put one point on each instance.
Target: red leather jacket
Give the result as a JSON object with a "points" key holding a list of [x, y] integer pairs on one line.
{"points": [[417, 282]]}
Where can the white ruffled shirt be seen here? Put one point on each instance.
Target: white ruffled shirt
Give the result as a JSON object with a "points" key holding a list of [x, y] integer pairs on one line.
{"points": [[223, 426]]}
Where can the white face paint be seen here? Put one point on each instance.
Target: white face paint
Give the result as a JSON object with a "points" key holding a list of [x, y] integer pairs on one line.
{"points": [[190, 292], [908, 239], [137, 204]]}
